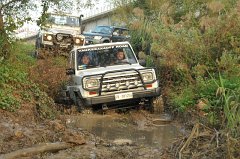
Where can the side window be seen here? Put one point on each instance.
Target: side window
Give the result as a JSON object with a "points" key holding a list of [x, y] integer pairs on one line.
{"points": [[116, 32], [130, 55]]}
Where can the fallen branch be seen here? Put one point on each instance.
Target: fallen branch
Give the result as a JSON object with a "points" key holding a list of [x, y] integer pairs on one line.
{"points": [[46, 147], [200, 155], [194, 132]]}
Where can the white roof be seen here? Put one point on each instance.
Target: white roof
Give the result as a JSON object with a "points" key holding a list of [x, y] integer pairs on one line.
{"points": [[102, 45]]}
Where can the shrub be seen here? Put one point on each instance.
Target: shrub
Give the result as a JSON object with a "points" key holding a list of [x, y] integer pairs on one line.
{"points": [[182, 99], [17, 88], [191, 43]]}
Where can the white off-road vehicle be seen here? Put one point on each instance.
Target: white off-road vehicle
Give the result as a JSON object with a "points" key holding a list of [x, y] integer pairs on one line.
{"points": [[107, 81], [61, 33]]}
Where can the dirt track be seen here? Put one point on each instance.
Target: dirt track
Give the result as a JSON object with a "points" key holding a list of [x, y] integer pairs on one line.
{"points": [[23, 129]]}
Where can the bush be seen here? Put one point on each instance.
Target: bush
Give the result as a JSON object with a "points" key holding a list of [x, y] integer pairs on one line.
{"points": [[182, 99], [17, 88], [191, 44]]}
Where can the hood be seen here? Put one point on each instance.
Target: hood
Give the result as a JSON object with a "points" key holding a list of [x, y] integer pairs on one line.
{"points": [[63, 29], [101, 70], [95, 34]]}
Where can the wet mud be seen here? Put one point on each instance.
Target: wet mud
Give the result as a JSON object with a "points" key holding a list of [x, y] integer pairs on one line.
{"points": [[133, 134], [142, 131]]}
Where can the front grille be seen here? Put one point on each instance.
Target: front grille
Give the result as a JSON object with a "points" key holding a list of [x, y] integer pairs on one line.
{"points": [[65, 38], [117, 81]]}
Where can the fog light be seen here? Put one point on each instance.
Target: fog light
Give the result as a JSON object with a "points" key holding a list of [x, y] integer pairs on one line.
{"points": [[117, 85]]}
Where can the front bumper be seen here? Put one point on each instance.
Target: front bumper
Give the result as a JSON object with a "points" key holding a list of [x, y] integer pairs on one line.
{"points": [[97, 41], [47, 43], [104, 99]]}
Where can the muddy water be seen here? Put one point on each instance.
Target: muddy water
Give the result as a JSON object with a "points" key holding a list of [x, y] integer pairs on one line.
{"points": [[155, 131]]}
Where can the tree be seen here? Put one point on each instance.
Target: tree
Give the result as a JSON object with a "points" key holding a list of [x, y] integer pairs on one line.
{"points": [[14, 13]]}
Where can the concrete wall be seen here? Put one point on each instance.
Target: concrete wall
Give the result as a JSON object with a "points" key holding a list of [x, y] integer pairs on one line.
{"points": [[92, 24], [101, 19]]}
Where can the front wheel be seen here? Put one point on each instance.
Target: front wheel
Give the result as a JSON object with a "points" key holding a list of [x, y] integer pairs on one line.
{"points": [[80, 104], [157, 105]]}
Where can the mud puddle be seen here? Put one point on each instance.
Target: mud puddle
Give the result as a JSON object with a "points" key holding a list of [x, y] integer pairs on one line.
{"points": [[155, 131]]}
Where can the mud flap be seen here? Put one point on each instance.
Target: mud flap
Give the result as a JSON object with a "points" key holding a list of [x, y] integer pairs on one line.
{"points": [[63, 97]]}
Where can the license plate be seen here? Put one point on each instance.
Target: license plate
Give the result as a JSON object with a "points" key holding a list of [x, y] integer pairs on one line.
{"points": [[122, 96], [63, 45]]}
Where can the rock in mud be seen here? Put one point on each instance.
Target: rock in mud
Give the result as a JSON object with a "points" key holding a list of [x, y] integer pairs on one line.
{"points": [[122, 142]]}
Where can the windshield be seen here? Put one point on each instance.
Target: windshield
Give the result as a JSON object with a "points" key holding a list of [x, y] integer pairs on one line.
{"points": [[105, 56], [103, 30], [64, 20]]}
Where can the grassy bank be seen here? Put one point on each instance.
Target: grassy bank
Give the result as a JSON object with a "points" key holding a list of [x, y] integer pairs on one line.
{"points": [[16, 85]]}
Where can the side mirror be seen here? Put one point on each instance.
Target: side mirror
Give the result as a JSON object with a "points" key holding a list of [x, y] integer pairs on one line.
{"points": [[70, 71], [38, 22], [80, 23], [142, 62]]}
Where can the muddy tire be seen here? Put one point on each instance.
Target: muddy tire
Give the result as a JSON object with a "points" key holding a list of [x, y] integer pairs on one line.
{"points": [[157, 105], [80, 104], [39, 53], [36, 55]]}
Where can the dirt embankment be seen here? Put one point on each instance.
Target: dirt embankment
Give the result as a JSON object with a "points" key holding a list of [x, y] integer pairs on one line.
{"points": [[50, 74], [31, 124]]}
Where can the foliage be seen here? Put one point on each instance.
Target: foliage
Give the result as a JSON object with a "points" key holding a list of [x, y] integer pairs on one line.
{"points": [[183, 99], [195, 47], [15, 86], [13, 77], [226, 102], [4, 46], [14, 13], [45, 105]]}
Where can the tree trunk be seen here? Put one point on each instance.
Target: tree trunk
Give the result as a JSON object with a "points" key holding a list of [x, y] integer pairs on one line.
{"points": [[4, 43], [1, 22], [46, 147]]}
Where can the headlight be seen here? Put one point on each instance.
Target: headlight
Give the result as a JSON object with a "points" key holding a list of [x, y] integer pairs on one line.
{"points": [[147, 77], [77, 41], [98, 37], [91, 83], [49, 37]]}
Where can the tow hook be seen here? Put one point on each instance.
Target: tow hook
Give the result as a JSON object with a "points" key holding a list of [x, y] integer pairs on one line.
{"points": [[104, 107]]}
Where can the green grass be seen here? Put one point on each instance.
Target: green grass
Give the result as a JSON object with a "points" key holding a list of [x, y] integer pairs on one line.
{"points": [[16, 86]]}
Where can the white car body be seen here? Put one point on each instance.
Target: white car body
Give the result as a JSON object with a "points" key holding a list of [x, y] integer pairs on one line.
{"points": [[109, 84]]}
